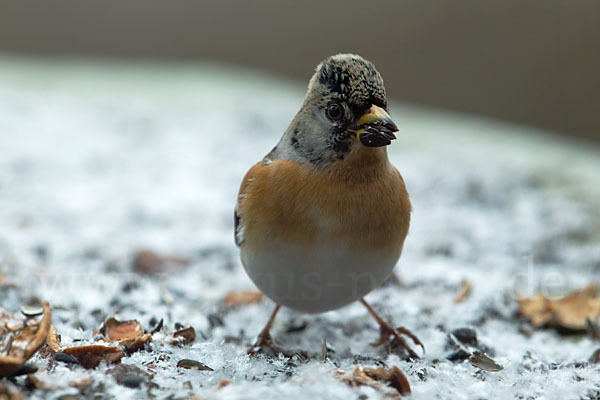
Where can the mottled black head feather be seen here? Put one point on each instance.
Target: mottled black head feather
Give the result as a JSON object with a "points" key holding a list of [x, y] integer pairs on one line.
{"points": [[351, 83], [354, 79]]}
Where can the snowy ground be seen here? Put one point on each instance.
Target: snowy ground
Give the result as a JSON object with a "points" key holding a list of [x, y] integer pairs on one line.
{"points": [[99, 160]]}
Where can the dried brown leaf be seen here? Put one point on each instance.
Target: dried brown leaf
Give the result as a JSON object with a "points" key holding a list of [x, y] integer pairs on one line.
{"points": [[391, 382], [26, 341], [91, 356], [129, 334], [136, 343], [223, 383], [9, 391], [183, 336], [83, 383], [535, 308], [569, 312], [114, 330], [237, 299], [149, 262], [125, 372], [36, 382], [53, 341]]}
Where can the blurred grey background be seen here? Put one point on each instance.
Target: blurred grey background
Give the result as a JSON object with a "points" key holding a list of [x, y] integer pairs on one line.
{"points": [[531, 62]]}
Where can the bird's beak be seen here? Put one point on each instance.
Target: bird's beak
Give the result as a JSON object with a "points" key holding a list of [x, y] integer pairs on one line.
{"points": [[375, 128]]}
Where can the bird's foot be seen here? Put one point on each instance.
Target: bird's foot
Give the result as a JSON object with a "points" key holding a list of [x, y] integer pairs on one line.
{"points": [[264, 345], [393, 339]]}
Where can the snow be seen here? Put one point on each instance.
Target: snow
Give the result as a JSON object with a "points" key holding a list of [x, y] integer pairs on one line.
{"points": [[99, 159]]}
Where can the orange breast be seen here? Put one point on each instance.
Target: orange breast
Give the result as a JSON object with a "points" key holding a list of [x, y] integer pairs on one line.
{"points": [[361, 201]]}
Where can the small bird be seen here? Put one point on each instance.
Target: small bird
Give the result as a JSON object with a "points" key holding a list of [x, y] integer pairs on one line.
{"points": [[321, 220]]}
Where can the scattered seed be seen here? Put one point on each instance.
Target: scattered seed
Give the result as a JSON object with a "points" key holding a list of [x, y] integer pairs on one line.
{"points": [[296, 328], [158, 326], [131, 380], [595, 357], [165, 296], [68, 397], [66, 358], [324, 351], [463, 292], [214, 320], [25, 369], [525, 330], [481, 360], [31, 311], [189, 364], [467, 336]]}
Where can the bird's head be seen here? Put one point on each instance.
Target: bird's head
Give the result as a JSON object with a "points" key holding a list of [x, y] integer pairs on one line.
{"points": [[345, 107]]}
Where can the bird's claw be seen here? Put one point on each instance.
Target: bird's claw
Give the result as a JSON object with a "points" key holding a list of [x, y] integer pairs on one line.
{"points": [[264, 345], [392, 339]]}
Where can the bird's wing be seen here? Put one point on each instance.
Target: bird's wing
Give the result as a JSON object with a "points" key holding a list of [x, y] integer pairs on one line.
{"points": [[238, 232]]}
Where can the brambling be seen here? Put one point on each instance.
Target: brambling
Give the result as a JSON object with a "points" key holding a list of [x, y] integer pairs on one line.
{"points": [[322, 219]]}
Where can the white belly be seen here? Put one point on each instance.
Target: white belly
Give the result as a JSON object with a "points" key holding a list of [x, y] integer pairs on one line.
{"points": [[322, 279]]}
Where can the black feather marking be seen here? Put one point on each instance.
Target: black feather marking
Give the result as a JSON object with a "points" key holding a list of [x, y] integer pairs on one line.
{"points": [[236, 226], [355, 80]]}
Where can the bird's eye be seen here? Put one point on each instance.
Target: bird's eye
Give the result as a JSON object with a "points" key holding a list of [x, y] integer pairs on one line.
{"points": [[335, 112]]}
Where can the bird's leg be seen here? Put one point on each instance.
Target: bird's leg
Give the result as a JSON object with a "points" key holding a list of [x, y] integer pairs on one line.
{"points": [[264, 340], [393, 336]]}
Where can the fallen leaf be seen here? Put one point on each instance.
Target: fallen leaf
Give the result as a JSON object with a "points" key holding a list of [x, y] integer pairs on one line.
{"points": [[83, 383], [52, 343], [23, 341], [391, 382], [223, 383], [236, 299], [183, 336], [114, 330], [149, 262], [53, 340], [9, 391], [136, 343], [394, 378], [463, 292], [569, 312], [35, 382], [91, 356], [536, 309], [130, 375], [129, 334]]}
